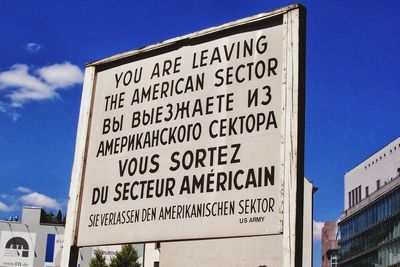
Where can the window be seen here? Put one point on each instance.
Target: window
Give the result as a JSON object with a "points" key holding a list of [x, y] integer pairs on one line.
{"points": [[359, 193], [366, 191], [349, 199], [356, 193], [156, 264], [157, 245], [334, 261], [372, 227], [378, 184]]}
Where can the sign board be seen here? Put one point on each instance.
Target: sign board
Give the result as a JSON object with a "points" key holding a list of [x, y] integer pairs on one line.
{"points": [[17, 248], [191, 138]]}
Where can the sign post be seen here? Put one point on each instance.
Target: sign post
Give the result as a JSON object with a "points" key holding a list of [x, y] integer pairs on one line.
{"points": [[197, 137]]}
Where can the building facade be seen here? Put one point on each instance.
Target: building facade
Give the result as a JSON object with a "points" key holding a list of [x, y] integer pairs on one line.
{"points": [[329, 245], [369, 228], [29, 243]]}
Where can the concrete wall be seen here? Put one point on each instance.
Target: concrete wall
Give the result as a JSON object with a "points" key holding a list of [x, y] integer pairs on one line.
{"points": [[308, 223], [151, 255], [382, 166]]}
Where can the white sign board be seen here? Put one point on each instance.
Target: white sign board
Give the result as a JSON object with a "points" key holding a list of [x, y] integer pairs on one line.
{"points": [[17, 248], [189, 139]]}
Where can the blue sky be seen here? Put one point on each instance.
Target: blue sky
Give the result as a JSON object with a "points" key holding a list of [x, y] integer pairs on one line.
{"points": [[352, 103]]}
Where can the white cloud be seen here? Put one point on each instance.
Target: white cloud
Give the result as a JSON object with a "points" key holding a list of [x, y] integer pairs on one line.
{"points": [[20, 84], [24, 86], [40, 200], [19, 77], [28, 198], [23, 189], [33, 47], [4, 207], [317, 229], [61, 75]]}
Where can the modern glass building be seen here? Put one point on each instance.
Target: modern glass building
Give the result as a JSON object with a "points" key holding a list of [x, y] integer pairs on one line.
{"points": [[369, 229], [371, 237]]}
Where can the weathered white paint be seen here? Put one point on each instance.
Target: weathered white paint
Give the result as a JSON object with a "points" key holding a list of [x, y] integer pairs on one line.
{"points": [[74, 197], [290, 161]]}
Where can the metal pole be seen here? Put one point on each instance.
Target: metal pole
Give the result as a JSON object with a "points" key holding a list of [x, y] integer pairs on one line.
{"points": [[144, 254], [73, 256]]}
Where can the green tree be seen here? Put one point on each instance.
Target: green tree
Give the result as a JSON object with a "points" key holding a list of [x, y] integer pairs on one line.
{"points": [[59, 217], [126, 257], [47, 217], [98, 260]]}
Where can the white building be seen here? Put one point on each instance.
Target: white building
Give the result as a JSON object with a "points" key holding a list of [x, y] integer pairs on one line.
{"points": [[372, 174], [29, 243], [369, 228]]}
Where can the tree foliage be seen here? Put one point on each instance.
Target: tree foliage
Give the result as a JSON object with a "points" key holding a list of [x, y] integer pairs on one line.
{"points": [[98, 260], [59, 217], [49, 217], [126, 257]]}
